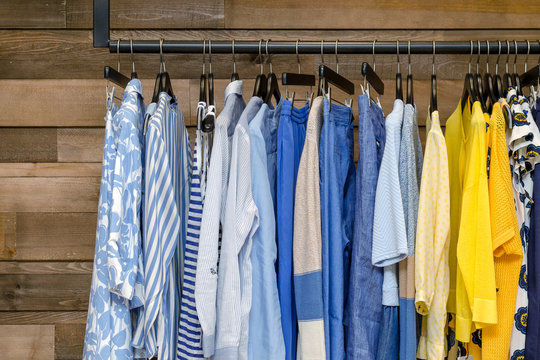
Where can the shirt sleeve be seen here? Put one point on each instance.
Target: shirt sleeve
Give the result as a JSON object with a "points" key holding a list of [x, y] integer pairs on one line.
{"points": [[123, 248]]}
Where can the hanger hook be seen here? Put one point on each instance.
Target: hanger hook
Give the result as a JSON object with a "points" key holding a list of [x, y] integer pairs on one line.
{"points": [[487, 58], [210, 56], [498, 57], [507, 53], [409, 55], [164, 69], [373, 50], [397, 53], [298, 57], [118, 55], [204, 57], [268, 55], [478, 58], [433, 60], [515, 55], [528, 52], [470, 57], [337, 61], [260, 56], [132, 55], [233, 57], [322, 52]]}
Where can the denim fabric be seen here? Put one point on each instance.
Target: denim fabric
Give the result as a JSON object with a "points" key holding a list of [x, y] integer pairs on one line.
{"points": [[532, 342], [363, 313], [388, 347], [290, 142], [337, 180]]}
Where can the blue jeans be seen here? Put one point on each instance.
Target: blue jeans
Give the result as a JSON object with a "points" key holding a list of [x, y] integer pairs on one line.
{"points": [[363, 313], [337, 180], [388, 347], [290, 142]]}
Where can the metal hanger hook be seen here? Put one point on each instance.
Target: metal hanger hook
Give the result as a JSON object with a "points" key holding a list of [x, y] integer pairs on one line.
{"points": [[233, 57], [528, 52], [478, 58], [204, 57], [162, 62], [337, 60], [397, 55], [433, 60], [487, 58], [132, 55], [268, 55], [507, 53], [260, 56], [409, 56], [498, 58], [373, 50], [298, 57], [470, 57], [515, 56], [210, 56], [322, 52], [118, 55]]}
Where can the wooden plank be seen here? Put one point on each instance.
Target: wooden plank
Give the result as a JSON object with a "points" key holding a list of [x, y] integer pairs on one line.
{"points": [[29, 342], [160, 14], [19, 145], [66, 194], [55, 236], [49, 169], [8, 235], [69, 341], [33, 14], [65, 102], [45, 268], [377, 14], [68, 54], [42, 317], [31, 292], [80, 144]]}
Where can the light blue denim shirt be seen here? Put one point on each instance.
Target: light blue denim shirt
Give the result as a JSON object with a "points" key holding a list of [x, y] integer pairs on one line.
{"points": [[265, 333]]}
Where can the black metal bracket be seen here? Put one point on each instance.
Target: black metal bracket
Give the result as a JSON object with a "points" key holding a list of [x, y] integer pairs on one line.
{"points": [[101, 23]]}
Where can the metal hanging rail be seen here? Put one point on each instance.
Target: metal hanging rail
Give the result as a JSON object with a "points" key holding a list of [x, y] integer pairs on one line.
{"points": [[102, 39]]}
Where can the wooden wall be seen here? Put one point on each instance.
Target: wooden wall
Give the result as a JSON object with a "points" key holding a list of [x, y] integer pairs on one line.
{"points": [[52, 103]]}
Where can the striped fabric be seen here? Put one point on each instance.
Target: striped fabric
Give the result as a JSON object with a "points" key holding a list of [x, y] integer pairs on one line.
{"points": [[161, 226], [189, 329]]}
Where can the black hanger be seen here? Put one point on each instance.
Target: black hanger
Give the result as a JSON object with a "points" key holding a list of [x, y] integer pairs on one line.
{"points": [[515, 75], [115, 75], [433, 98], [489, 86], [157, 87], [372, 78], [210, 117], [410, 94], [272, 88], [298, 79], [469, 90], [327, 75], [399, 92], [260, 80], [234, 75], [499, 89], [508, 81]]}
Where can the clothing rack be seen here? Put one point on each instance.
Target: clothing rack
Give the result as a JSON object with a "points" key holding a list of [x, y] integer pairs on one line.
{"points": [[102, 40]]}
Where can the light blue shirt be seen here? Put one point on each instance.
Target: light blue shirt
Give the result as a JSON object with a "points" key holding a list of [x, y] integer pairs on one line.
{"points": [[265, 332], [117, 252]]}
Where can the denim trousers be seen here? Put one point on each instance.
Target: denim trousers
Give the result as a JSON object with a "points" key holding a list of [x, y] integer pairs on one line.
{"points": [[337, 179], [388, 347]]}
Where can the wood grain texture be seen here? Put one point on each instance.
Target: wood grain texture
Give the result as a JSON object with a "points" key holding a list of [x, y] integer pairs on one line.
{"points": [[45, 268], [66, 194], [380, 14], [80, 144], [31, 292], [8, 235], [55, 236], [50, 169], [33, 14], [69, 341], [65, 54], [42, 317], [160, 14], [31, 144], [28, 342]]}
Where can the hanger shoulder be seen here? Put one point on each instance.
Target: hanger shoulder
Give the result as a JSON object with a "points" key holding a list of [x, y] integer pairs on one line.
{"points": [[297, 79], [530, 77], [399, 92], [157, 88], [115, 76], [373, 79], [335, 79], [433, 100], [410, 94]]}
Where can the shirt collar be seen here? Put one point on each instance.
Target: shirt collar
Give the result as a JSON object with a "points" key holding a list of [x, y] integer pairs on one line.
{"points": [[234, 87], [134, 86]]}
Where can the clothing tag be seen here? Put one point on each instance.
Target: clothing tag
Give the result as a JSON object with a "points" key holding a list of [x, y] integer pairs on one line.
{"points": [[466, 357]]}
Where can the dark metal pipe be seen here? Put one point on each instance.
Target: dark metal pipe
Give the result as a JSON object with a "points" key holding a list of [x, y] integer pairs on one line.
{"points": [[314, 47]]}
